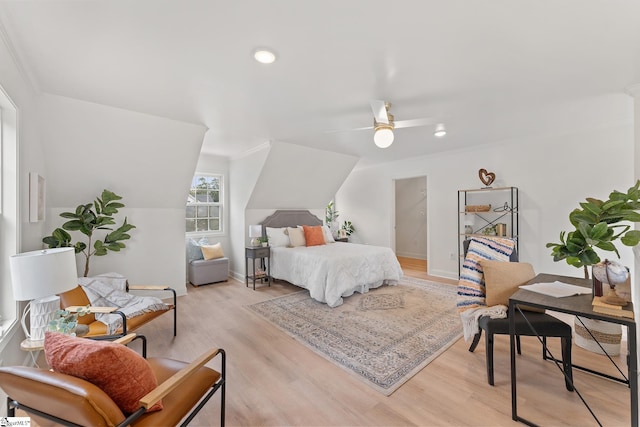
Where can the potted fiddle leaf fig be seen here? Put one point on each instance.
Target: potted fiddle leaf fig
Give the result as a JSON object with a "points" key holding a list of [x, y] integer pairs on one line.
{"points": [[87, 219], [599, 224]]}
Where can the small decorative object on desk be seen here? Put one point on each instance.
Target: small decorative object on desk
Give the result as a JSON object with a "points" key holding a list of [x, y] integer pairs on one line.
{"points": [[487, 178], [600, 306], [611, 273]]}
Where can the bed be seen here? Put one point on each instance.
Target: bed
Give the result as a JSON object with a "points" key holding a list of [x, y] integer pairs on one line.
{"points": [[331, 271]]}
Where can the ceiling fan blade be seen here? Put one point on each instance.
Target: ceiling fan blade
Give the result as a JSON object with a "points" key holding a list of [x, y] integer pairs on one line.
{"points": [[347, 130], [379, 111], [413, 123]]}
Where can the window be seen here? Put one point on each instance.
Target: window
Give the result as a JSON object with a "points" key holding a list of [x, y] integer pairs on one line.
{"points": [[205, 204], [9, 220]]}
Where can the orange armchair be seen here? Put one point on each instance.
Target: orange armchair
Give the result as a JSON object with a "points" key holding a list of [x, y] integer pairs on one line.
{"points": [[76, 298], [184, 389]]}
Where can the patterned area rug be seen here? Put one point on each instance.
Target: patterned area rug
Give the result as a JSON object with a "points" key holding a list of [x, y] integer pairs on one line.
{"points": [[384, 337]]}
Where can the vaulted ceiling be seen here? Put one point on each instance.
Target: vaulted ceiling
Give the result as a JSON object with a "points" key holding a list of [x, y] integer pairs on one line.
{"points": [[489, 70]]}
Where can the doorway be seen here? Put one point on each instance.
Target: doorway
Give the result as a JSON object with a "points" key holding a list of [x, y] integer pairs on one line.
{"points": [[411, 221]]}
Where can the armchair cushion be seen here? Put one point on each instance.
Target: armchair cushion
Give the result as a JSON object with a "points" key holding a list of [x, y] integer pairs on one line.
{"points": [[123, 374]]}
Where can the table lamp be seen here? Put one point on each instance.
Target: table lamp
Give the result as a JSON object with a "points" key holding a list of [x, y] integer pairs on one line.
{"points": [[37, 277], [255, 231]]}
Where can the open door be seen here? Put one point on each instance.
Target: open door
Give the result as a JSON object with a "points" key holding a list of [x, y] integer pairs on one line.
{"points": [[411, 221]]}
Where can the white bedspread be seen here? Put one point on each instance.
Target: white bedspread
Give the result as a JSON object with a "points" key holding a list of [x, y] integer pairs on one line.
{"points": [[335, 270]]}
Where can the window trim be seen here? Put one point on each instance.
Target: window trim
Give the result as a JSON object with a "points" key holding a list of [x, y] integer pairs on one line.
{"points": [[220, 204]]}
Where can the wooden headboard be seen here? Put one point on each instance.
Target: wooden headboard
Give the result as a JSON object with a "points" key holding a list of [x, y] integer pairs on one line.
{"points": [[290, 218]]}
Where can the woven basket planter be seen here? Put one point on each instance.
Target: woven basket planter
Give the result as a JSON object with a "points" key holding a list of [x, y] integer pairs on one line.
{"points": [[608, 334]]}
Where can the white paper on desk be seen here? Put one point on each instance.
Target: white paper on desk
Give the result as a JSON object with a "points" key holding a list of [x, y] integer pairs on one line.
{"points": [[557, 289]]}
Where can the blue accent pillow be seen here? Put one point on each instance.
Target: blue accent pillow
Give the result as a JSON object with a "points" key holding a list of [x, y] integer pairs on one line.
{"points": [[193, 248]]}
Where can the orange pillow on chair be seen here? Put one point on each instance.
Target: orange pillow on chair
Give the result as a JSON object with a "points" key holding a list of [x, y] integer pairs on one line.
{"points": [[313, 235], [114, 368]]}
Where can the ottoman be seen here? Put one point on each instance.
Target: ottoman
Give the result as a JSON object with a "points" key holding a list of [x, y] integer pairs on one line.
{"points": [[202, 272]]}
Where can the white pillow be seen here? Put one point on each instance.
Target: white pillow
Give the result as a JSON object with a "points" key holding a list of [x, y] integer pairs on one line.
{"points": [[296, 236], [277, 236], [328, 237]]}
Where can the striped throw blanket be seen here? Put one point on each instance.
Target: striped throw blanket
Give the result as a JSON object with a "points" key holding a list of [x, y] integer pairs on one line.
{"points": [[471, 300]]}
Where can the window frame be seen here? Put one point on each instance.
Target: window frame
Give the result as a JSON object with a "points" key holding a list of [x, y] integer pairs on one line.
{"points": [[9, 213], [220, 204]]}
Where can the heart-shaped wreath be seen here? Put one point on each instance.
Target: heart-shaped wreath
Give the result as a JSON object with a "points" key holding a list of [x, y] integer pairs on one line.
{"points": [[487, 178]]}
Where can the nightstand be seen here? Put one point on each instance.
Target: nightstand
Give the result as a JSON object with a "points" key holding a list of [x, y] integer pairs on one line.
{"points": [[263, 272], [342, 239]]}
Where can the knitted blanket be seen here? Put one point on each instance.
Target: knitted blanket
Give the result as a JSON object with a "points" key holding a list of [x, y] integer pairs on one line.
{"points": [[471, 301], [109, 290]]}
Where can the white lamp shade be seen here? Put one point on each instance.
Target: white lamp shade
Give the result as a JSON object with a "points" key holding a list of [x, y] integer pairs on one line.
{"points": [[42, 273], [383, 137], [255, 230]]}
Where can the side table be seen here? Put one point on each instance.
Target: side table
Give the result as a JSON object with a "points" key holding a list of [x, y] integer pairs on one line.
{"points": [[264, 268]]}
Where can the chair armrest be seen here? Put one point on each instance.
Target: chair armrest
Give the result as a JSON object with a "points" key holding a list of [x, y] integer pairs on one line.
{"points": [[126, 339], [148, 288], [154, 288], [179, 377], [93, 309]]}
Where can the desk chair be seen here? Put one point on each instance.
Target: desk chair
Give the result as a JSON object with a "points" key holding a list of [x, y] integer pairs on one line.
{"points": [[544, 324], [501, 281]]}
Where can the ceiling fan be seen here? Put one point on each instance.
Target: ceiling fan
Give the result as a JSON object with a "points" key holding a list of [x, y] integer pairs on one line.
{"points": [[384, 124]]}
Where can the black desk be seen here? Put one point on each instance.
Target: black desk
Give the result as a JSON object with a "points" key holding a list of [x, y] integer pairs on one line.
{"points": [[577, 305]]}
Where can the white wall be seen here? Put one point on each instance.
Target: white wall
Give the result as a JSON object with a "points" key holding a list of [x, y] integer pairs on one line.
{"points": [[243, 174], [147, 160], [280, 176], [297, 177], [553, 174], [31, 158]]}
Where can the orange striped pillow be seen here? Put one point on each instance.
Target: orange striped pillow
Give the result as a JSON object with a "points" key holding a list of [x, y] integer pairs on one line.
{"points": [[313, 235]]}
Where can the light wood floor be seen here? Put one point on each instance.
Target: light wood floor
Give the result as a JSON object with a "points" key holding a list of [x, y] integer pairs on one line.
{"points": [[272, 380]]}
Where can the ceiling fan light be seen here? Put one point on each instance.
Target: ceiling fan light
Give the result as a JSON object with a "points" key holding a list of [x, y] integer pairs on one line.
{"points": [[264, 56], [440, 131], [383, 137]]}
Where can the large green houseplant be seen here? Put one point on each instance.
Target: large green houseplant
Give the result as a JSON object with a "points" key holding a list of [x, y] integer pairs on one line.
{"points": [[599, 224], [87, 219]]}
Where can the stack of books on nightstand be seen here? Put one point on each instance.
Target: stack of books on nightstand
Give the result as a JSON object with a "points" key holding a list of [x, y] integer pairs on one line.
{"points": [[599, 306]]}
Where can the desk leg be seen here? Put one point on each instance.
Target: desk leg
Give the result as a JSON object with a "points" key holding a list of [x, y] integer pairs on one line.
{"points": [[512, 346], [633, 372]]}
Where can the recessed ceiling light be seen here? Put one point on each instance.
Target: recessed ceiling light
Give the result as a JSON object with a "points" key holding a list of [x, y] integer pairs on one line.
{"points": [[440, 131], [264, 56]]}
